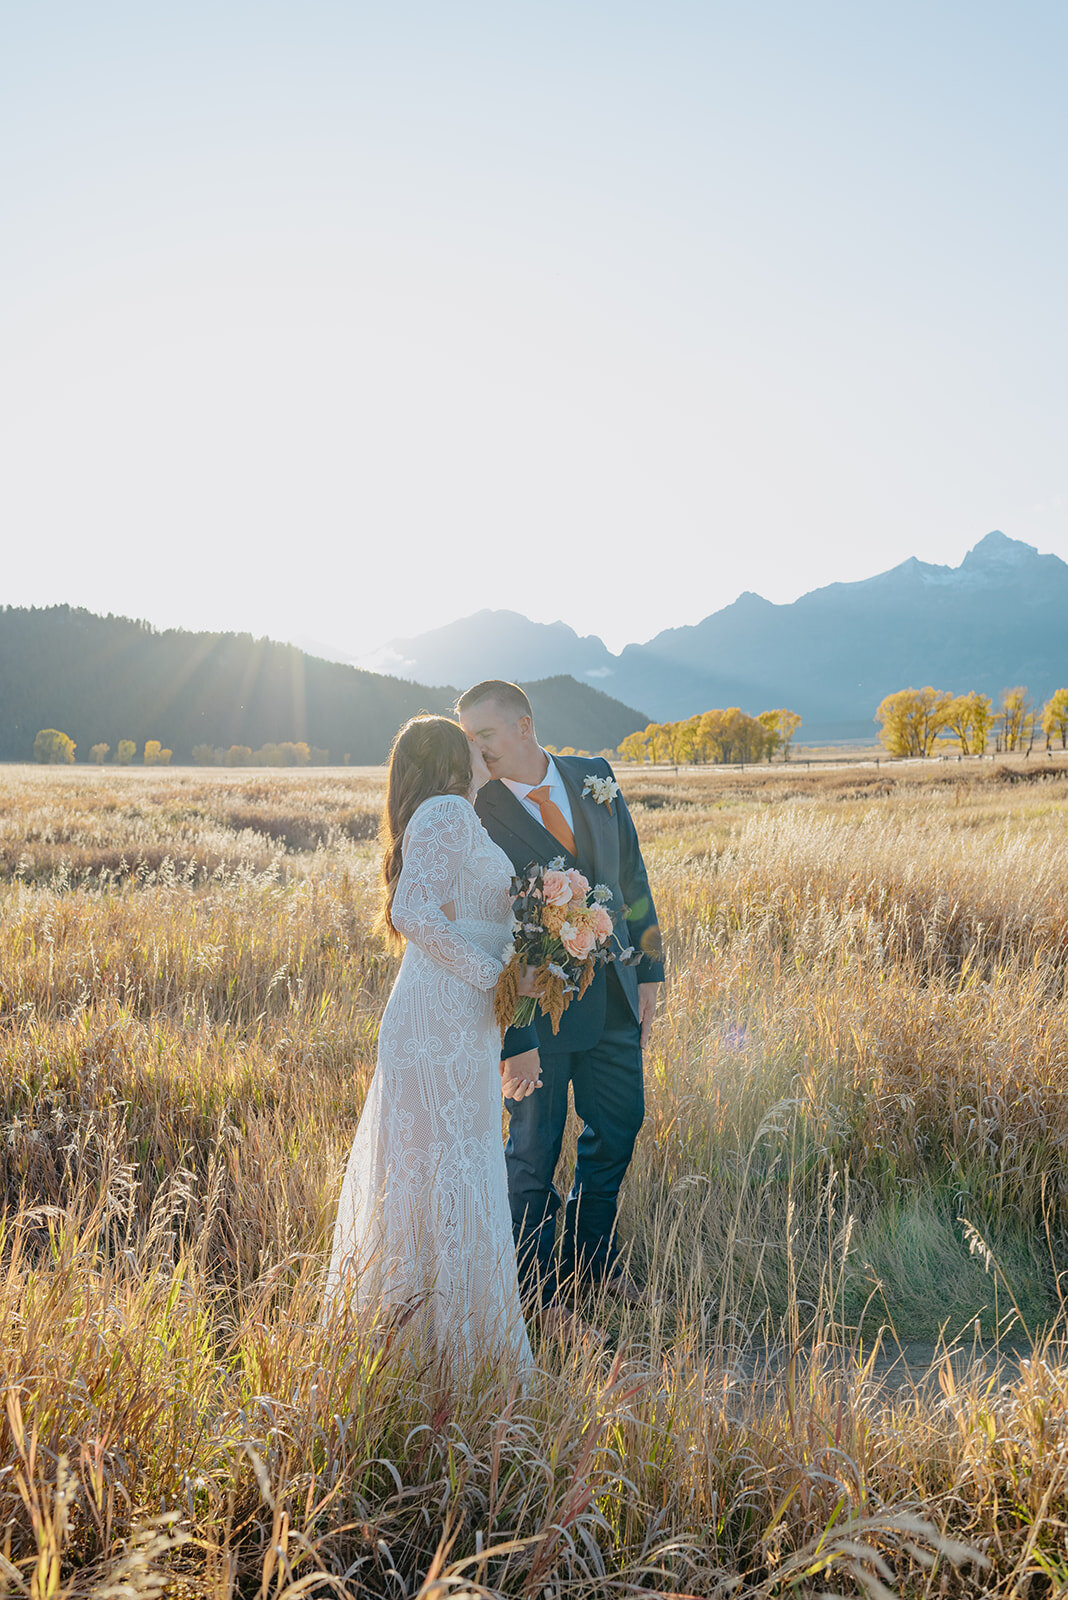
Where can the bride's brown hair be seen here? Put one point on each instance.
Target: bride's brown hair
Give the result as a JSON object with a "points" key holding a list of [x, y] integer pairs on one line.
{"points": [[430, 755]]}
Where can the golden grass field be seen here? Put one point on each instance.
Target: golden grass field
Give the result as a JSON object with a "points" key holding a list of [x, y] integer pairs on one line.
{"points": [[856, 1139]]}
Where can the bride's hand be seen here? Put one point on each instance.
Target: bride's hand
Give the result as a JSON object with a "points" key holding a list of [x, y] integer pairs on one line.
{"points": [[521, 1075], [526, 981]]}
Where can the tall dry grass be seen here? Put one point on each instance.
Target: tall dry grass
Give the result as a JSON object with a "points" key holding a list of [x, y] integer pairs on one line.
{"points": [[855, 1137]]}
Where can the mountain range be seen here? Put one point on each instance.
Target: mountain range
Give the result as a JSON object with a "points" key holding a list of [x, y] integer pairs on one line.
{"points": [[102, 679], [998, 619]]}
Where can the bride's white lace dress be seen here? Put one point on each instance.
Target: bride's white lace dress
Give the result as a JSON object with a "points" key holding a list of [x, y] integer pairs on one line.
{"points": [[423, 1220]]}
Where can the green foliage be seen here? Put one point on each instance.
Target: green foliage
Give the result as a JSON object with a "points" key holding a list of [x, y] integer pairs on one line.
{"points": [[126, 752], [53, 748]]}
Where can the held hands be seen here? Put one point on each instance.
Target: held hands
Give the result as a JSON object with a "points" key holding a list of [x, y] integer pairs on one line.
{"points": [[521, 1075], [526, 981]]}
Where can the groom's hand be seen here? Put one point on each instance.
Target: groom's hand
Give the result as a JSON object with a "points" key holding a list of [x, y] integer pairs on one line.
{"points": [[647, 998], [521, 1075]]}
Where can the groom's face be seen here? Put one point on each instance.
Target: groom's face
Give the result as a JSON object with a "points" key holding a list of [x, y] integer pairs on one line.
{"points": [[502, 741]]}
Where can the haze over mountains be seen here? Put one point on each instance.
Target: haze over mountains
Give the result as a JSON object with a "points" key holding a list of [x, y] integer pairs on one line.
{"points": [[109, 678], [1000, 618]]}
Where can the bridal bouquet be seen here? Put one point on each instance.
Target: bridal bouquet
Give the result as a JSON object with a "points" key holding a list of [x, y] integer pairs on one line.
{"points": [[561, 931]]}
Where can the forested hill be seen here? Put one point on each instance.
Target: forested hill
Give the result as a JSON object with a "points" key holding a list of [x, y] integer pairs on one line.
{"points": [[109, 678]]}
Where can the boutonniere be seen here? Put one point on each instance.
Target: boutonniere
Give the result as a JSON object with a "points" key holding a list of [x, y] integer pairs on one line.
{"points": [[603, 790]]}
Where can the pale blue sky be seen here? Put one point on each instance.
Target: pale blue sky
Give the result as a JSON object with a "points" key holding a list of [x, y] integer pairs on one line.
{"points": [[336, 321]]}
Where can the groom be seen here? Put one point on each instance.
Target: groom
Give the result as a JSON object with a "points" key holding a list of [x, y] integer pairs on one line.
{"points": [[535, 809]]}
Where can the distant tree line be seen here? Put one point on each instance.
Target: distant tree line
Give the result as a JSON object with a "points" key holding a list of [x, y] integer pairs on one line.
{"points": [[62, 668], [569, 750], [715, 737], [55, 748], [286, 754], [913, 721]]}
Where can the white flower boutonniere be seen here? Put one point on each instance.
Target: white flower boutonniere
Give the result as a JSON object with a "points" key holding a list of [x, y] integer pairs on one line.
{"points": [[603, 790]]}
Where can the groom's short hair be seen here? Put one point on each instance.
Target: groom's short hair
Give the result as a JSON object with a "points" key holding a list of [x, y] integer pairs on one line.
{"points": [[509, 696]]}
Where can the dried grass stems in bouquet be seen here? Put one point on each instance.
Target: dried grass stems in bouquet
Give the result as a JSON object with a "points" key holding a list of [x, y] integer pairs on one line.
{"points": [[563, 931]]}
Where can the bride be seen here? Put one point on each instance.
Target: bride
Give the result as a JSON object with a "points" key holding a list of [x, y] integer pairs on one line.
{"points": [[423, 1227]]}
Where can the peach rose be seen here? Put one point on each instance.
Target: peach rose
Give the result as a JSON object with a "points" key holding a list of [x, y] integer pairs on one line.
{"points": [[602, 923], [556, 889], [580, 887], [578, 942]]}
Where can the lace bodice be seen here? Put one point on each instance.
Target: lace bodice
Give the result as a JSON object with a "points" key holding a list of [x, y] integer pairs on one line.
{"points": [[448, 859]]}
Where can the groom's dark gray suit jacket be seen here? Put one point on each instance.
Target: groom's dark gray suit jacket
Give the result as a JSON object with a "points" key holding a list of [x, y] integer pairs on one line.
{"points": [[606, 851]]}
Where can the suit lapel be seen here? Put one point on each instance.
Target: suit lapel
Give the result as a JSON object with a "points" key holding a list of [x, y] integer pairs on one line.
{"points": [[513, 814], [582, 822]]}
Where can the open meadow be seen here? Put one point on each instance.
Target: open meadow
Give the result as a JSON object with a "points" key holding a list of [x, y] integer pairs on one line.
{"points": [[856, 1145]]}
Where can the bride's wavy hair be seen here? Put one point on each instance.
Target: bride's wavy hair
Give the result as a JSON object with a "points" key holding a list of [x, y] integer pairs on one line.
{"points": [[430, 755]]}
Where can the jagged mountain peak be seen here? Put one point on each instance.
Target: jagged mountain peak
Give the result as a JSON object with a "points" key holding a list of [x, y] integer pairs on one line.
{"points": [[989, 561], [998, 550], [996, 618]]}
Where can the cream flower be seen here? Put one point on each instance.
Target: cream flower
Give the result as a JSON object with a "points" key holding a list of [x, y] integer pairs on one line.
{"points": [[603, 790]]}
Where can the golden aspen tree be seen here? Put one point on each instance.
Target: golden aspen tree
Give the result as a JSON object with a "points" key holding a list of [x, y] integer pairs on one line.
{"points": [[53, 748], [912, 720], [1055, 718], [968, 720], [787, 724], [769, 721], [1017, 717], [635, 747]]}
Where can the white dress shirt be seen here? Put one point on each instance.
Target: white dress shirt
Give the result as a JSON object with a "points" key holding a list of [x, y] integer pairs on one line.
{"points": [[557, 794]]}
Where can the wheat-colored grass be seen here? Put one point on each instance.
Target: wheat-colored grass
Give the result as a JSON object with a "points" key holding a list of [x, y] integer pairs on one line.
{"points": [[855, 1139]]}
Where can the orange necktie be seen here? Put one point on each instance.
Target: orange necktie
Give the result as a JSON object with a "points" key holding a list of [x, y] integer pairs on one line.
{"points": [[553, 818]]}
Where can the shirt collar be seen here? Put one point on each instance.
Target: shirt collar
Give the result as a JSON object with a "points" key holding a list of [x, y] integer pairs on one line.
{"points": [[552, 778]]}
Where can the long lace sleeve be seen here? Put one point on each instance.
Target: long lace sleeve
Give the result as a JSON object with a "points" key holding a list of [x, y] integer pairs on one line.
{"points": [[436, 845]]}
